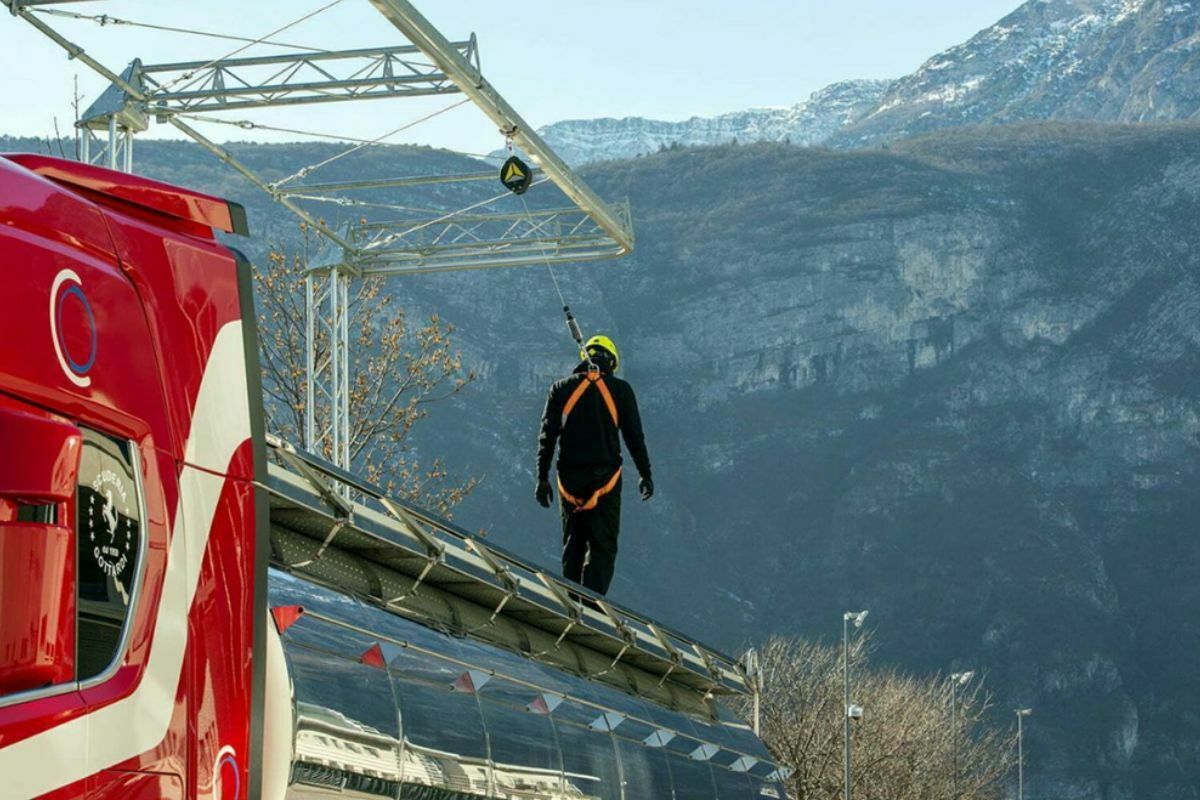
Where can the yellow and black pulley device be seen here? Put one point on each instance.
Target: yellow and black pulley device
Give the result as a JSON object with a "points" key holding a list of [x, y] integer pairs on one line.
{"points": [[516, 175]]}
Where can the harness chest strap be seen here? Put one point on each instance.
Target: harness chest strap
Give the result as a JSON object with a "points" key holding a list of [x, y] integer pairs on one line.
{"points": [[591, 379], [594, 500]]}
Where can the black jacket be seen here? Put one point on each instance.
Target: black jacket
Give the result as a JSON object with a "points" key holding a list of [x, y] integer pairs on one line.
{"points": [[589, 439]]}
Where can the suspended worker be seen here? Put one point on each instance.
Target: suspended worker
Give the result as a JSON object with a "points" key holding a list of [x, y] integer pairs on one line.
{"points": [[584, 412]]}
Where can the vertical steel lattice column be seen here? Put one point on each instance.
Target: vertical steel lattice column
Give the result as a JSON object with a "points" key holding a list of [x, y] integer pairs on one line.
{"points": [[114, 136], [117, 154], [327, 359], [128, 151], [1020, 757]]}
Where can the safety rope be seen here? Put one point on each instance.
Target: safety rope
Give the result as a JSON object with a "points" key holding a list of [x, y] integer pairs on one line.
{"points": [[249, 43], [515, 177], [572, 325], [105, 19], [545, 258]]}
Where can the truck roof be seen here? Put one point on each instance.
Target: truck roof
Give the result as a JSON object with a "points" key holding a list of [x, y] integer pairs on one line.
{"points": [[173, 201]]}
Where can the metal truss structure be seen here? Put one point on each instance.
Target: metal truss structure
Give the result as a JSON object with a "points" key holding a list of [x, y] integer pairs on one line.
{"points": [[480, 241], [279, 80], [479, 236], [327, 362]]}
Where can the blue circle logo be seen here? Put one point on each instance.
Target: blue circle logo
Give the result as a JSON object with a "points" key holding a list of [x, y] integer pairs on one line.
{"points": [[73, 328]]}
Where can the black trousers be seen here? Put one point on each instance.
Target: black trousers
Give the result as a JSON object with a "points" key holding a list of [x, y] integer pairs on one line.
{"points": [[589, 554]]}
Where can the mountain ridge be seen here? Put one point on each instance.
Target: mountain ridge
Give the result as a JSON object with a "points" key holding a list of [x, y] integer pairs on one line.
{"points": [[1101, 60], [813, 121]]}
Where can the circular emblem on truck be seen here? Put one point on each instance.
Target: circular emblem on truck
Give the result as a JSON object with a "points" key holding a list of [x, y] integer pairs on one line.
{"points": [[227, 775], [109, 513], [72, 327]]}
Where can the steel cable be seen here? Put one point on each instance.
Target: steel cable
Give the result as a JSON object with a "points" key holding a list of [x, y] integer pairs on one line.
{"points": [[306, 171], [250, 43], [106, 19]]}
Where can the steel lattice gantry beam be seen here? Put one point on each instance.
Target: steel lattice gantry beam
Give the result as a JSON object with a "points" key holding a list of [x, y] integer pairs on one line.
{"points": [[296, 79], [166, 92], [190, 87], [481, 241]]}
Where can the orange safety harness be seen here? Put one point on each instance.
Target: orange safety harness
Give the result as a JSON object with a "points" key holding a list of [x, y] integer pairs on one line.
{"points": [[590, 379]]}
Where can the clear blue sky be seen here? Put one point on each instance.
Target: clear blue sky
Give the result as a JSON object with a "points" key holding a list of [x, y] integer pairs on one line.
{"points": [[553, 59]]}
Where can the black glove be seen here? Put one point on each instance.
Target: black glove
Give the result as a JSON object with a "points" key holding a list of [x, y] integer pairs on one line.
{"points": [[544, 494], [646, 488]]}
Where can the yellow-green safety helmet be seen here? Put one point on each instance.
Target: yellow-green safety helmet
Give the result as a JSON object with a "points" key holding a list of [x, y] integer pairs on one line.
{"points": [[605, 343]]}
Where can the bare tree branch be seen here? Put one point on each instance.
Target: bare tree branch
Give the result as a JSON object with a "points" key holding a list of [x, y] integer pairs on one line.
{"points": [[903, 748], [399, 369]]}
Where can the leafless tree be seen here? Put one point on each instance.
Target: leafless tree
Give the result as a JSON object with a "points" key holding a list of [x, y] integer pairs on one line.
{"points": [[909, 745], [398, 368]]}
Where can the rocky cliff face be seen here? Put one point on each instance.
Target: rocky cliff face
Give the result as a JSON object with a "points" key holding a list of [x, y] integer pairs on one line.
{"points": [[1099, 60], [814, 121]]}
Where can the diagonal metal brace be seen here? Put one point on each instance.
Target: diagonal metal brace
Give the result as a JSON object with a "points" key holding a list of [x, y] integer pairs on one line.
{"points": [[431, 543], [573, 611], [627, 633], [343, 507], [673, 653], [512, 584], [338, 526], [435, 549], [713, 670]]}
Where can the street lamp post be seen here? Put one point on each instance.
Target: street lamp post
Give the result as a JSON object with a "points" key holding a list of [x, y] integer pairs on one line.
{"points": [[753, 670], [1022, 713], [957, 679], [857, 617]]}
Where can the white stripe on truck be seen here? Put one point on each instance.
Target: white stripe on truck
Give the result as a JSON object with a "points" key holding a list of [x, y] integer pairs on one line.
{"points": [[138, 723]]}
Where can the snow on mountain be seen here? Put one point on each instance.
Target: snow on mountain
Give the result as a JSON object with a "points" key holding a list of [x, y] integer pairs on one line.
{"points": [[1098, 60], [812, 122]]}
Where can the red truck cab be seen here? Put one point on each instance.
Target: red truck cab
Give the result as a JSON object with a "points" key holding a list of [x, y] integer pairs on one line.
{"points": [[131, 428]]}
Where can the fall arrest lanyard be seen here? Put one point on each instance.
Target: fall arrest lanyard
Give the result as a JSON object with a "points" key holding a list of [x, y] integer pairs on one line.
{"points": [[517, 177]]}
